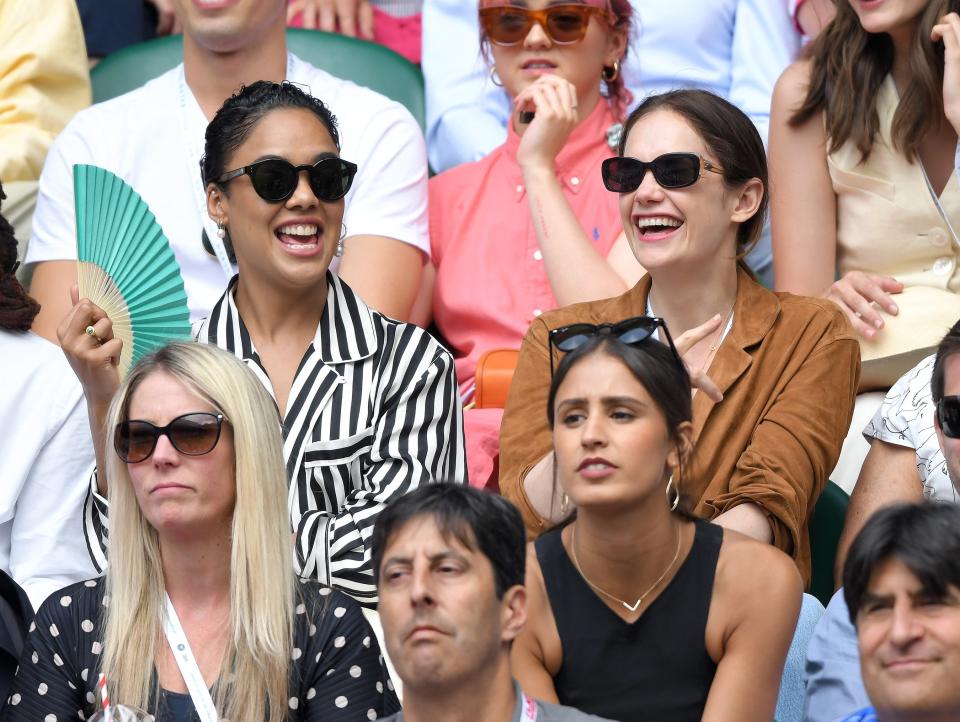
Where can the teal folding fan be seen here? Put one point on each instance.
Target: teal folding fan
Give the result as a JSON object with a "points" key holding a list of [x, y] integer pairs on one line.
{"points": [[126, 265]]}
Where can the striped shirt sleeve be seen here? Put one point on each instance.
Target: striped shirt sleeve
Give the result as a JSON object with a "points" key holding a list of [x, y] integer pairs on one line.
{"points": [[418, 439], [96, 525]]}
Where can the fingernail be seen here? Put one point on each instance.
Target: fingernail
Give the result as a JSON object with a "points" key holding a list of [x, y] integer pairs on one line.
{"points": [[894, 308], [878, 323]]}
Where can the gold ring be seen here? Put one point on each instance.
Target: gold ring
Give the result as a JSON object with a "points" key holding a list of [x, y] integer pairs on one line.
{"points": [[91, 332]]}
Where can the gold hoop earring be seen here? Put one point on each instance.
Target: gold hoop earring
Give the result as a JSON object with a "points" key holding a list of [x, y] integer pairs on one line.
{"points": [[675, 501], [494, 78], [610, 74]]}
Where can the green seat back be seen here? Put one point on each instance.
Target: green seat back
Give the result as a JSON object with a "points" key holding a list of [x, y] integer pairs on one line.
{"points": [[825, 528], [365, 63]]}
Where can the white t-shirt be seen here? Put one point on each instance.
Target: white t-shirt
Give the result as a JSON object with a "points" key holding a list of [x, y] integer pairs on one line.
{"points": [[47, 457], [152, 137], [905, 418]]}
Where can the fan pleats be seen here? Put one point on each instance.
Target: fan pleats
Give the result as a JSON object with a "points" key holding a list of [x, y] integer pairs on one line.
{"points": [[126, 265]]}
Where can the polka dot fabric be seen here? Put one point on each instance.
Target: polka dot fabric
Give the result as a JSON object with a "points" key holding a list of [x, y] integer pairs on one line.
{"points": [[336, 671]]}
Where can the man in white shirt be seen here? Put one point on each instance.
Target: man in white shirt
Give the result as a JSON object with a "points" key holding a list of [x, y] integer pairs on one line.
{"points": [[152, 137]]}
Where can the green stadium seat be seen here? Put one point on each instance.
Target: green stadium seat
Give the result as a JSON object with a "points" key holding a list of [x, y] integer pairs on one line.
{"points": [[363, 62], [826, 524]]}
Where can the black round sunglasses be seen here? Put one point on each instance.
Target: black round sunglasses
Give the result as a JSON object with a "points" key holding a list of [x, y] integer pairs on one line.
{"points": [[275, 179], [948, 416], [631, 331]]}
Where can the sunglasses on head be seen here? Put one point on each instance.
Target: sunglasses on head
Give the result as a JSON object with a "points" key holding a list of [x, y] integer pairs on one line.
{"points": [[948, 416], [508, 25], [670, 170], [632, 331], [275, 179], [191, 434]]}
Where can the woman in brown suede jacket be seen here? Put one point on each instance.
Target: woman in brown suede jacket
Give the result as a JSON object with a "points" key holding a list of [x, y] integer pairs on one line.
{"points": [[787, 366]]}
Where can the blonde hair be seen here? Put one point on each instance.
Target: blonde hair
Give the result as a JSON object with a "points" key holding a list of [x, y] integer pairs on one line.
{"points": [[262, 581]]}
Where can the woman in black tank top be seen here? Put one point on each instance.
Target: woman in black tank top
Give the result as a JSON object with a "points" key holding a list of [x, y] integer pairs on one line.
{"points": [[637, 611]]}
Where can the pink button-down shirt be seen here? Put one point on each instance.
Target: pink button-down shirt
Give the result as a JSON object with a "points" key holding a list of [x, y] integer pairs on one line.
{"points": [[491, 281]]}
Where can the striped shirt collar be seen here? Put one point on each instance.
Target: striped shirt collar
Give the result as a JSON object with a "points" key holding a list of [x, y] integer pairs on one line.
{"points": [[346, 332]]}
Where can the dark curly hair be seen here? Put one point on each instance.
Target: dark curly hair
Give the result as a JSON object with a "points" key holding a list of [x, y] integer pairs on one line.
{"points": [[17, 309]]}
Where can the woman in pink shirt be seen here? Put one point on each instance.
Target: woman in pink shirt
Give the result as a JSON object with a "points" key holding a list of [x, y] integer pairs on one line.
{"points": [[530, 226]]}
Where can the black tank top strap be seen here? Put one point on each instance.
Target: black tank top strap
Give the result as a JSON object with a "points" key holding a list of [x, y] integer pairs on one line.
{"points": [[654, 668]]}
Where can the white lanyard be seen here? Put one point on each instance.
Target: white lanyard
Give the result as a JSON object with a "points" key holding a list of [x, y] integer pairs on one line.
{"points": [[192, 142], [528, 708], [188, 665]]}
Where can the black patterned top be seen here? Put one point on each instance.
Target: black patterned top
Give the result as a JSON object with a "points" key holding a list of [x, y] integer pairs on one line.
{"points": [[337, 670]]}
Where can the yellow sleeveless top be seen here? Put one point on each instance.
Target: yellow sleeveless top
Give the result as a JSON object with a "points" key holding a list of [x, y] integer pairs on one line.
{"points": [[888, 223]]}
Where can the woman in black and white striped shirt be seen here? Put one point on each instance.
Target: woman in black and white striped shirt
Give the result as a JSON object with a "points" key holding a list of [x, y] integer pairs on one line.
{"points": [[369, 405]]}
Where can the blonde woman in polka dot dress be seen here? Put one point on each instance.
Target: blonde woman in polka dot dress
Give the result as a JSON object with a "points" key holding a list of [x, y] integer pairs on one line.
{"points": [[199, 526]]}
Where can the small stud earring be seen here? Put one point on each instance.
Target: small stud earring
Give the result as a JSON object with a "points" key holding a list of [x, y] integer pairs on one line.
{"points": [[343, 234]]}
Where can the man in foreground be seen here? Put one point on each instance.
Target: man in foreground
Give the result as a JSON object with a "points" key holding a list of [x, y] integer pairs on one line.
{"points": [[914, 455], [902, 586], [449, 562]]}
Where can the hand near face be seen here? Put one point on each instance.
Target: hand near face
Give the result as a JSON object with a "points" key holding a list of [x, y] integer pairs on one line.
{"points": [[553, 101], [94, 363], [349, 17], [948, 31], [857, 292], [686, 341]]}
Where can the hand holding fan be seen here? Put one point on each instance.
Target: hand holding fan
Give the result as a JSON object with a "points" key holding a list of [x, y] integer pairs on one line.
{"points": [[126, 265]]}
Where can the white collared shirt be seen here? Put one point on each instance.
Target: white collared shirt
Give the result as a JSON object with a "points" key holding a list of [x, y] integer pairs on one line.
{"points": [[46, 453], [152, 137]]}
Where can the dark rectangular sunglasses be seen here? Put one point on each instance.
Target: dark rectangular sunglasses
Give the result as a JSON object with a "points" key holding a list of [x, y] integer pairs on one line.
{"points": [[948, 416], [193, 434], [275, 179], [631, 331], [670, 170]]}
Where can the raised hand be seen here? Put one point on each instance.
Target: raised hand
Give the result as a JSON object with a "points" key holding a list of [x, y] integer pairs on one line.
{"points": [[686, 341], [93, 356], [553, 102], [948, 31]]}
